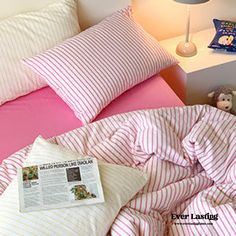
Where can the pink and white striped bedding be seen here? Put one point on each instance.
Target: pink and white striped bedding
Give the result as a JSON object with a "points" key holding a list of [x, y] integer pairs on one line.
{"points": [[189, 154]]}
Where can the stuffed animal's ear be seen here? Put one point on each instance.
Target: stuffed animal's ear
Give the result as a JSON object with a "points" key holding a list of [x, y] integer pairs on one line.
{"points": [[210, 95], [234, 93]]}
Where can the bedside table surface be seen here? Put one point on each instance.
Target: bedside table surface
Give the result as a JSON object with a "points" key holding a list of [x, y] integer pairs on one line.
{"points": [[206, 57]]}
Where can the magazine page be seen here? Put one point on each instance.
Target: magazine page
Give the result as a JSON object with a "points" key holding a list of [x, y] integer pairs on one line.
{"points": [[59, 184]]}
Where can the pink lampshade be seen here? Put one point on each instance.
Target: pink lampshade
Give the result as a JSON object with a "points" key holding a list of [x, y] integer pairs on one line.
{"points": [[191, 1]]}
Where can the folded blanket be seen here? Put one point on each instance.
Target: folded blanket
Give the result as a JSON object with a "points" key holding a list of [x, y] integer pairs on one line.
{"points": [[190, 155]]}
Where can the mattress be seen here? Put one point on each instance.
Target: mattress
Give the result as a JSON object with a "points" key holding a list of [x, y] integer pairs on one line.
{"points": [[43, 112]]}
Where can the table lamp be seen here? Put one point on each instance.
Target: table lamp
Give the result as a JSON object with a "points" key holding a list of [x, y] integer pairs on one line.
{"points": [[187, 48]]}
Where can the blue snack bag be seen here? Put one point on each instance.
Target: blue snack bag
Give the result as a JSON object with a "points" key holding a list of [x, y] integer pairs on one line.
{"points": [[225, 37]]}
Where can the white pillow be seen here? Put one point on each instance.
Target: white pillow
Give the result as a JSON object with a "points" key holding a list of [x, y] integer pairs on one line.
{"points": [[120, 184], [27, 35]]}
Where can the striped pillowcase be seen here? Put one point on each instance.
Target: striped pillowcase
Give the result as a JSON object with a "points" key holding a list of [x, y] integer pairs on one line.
{"points": [[91, 69], [26, 35]]}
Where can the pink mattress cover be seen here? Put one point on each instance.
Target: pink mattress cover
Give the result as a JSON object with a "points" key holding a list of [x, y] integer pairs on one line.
{"points": [[44, 113]]}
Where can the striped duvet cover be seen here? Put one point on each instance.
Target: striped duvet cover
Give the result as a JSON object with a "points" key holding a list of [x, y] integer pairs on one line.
{"points": [[189, 154]]}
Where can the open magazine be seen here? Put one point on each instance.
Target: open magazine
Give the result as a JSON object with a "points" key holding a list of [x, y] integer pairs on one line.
{"points": [[59, 184]]}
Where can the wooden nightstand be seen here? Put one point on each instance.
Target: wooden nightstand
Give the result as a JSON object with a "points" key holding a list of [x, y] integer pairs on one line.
{"points": [[194, 77]]}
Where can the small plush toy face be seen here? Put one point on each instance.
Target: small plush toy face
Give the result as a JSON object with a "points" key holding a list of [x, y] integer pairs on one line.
{"points": [[225, 102]]}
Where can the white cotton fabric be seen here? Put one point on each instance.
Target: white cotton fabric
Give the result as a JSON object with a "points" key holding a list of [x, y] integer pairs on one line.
{"points": [[120, 184], [27, 35]]}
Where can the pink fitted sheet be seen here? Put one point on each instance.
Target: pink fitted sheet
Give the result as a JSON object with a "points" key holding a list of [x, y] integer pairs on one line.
{"points": [[44, 113]]}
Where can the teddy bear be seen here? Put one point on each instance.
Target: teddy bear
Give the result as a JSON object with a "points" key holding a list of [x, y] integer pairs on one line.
{"points": [[222, 98]]}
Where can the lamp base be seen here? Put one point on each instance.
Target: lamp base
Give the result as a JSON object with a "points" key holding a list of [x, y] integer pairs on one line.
{"points": [[186, 49]]}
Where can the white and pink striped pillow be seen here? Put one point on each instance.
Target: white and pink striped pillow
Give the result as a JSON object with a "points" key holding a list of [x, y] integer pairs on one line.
{"points": [[91, 69]]}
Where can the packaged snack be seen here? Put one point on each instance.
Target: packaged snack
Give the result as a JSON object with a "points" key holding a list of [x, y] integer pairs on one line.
{"points": [[225, 37]]}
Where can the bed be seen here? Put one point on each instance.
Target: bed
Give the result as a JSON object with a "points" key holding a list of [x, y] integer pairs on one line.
{"points": [[42, 112], [142, 125]]}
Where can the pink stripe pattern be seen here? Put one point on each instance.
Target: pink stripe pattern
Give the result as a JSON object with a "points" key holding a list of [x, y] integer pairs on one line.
{"points": [[91, 69], [189, 155]]}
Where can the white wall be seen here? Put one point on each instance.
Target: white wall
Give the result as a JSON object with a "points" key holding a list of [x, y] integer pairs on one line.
{"points": [[162, 18], [166, 18]]}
